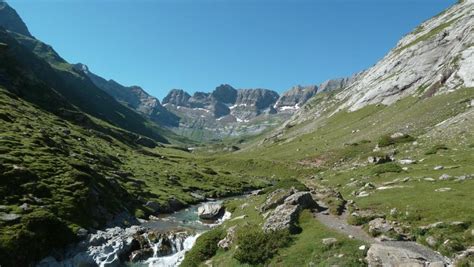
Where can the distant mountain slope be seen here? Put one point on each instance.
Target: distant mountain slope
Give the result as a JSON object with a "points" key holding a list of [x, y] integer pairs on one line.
{"points": [[42, 63], [134, 97], [10, 20]]}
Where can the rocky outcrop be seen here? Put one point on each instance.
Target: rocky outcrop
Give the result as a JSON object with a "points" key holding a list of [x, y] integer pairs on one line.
{"points": [[225, 94], [229, 238], [200, 100], [285, 216], [210, 211], [177, 97], [387, 255], [443, 41], [295, 97]]}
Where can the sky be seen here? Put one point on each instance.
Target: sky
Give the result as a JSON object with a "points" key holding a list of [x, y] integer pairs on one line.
{"points": [[197, 45]]}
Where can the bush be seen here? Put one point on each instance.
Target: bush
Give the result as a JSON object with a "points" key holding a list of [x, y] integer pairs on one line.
{"points": [[387, 140], [435, 149], [387, 167], [286, 184], [256, 247], [204, 248]]}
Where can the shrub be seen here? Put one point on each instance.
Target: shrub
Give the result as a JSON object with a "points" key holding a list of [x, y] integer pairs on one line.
{"points": [[286, 184], [387, 140], [387, 167], [256, 247], [204, 248], [435, 149]]}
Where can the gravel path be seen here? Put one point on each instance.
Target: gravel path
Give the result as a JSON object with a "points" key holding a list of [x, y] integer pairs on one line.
{"points": [[339, 223]]}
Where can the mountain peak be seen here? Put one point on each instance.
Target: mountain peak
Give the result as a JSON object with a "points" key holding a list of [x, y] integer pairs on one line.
{"points": [[10, 20]]}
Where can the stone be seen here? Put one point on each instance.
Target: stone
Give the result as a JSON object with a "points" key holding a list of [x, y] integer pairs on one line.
{"points": [[363, 247], [9, 217], [386, 255], [397, 135], [82, 233], [443, 189], [437, 168], [379, 159], [275, 198], [146, 142], [445, 177], [329, 241], [379, 226], [141, 255], [431, 241], [281, 218], [429, 179], [407, 161], [210, 211], [153, 205], [228, 240], [303, 199]]}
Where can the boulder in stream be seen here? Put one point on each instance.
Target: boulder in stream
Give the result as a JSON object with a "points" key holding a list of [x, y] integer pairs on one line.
{"points": [[210, 211]]}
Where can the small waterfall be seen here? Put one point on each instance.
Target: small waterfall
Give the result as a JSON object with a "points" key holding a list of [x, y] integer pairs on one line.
{"points": [[180, 244]]}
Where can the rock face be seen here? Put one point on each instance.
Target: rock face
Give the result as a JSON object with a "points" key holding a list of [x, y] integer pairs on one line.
{"points": [[386, 255], [11, 21], [225, 94], [177, 97], [443, 41], [132, 96], [229, 238], [285, 216], [210, 211], [295, 97]]}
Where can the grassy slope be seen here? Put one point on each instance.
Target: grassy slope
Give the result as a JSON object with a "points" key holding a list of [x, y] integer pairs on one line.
{"points": [[335, 153], [83, 177]]}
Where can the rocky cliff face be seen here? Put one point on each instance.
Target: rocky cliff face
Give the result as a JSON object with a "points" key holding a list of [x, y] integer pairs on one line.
{"points": [[11, 21], [177, 97], [132, 96], [296, 96], [435, 58]]}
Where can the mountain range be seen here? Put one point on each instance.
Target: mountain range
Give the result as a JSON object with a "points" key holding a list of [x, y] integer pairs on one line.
{"points": [[369, 170]]}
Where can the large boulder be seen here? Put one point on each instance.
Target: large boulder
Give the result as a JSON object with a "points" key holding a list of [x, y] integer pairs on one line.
{"points": [[285, 216], [276, 198], [210, 211], [386, 255]]}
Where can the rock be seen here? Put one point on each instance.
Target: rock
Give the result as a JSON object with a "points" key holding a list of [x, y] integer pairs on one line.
{"points": [[443, 189], [197, 196], [141, 255], [407, 161], [397, 135], [295, 97], [437, 168], [445, 177], [386, 255], [431, 241], [153, 205], [363, 194], [379, 226], [177, 97], [282, 217], [363, 247], [228, 240], [329, 241], [25, 207], [379, 159], [429, 179], [285, 215], [9, 217], [210, 211], [275, 198], [303, 199], [82, 233], [48, 262]]}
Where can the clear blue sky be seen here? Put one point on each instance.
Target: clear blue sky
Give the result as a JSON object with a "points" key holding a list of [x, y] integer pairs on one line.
{"points": [[199, 44]]}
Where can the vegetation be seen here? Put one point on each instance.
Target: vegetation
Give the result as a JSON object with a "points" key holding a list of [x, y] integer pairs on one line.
{"points": [[205, 248], [256, 247]]}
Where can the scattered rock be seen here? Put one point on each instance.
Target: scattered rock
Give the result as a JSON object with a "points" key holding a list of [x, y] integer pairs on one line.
{"points": [[329, 241], [431, 241], [429, 179], [445, 177], [228, 240], [437, 168], [443, 189], [397, 135], [9, 217], [363, 247], [276, 198], [407, 161], [210, 211], [379, 226], [379, 159]]}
